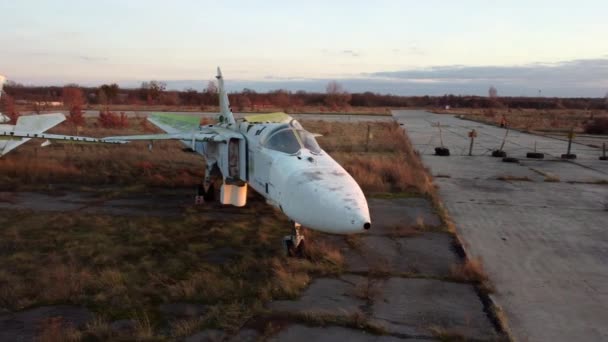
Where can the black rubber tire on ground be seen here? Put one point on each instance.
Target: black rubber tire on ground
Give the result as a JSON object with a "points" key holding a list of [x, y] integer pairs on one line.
{"points": [[569, 156], [209, 195], [499, 153], [510, 160], [535, 155], [442, 151], [603, 158]]}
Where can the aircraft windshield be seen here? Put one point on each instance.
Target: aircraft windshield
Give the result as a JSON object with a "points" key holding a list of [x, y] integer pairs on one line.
{"points": [[309, 141], [284, 141], [290, 141]]}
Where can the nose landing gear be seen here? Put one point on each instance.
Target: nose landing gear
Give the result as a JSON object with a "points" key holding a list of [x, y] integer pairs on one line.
{"points": [[294, 244]]}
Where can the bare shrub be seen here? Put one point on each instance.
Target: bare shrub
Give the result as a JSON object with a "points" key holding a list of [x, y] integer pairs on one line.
{"points": [[597, 126]]}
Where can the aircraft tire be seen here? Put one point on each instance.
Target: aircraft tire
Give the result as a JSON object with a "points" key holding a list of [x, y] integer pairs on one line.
{"points": [[510, 160], [209, 195], [499, 154], [442, 151], [568, 156], [535, 155]]}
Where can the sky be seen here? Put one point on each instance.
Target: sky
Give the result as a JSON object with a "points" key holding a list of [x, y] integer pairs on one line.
{"points": [[400, 47]]}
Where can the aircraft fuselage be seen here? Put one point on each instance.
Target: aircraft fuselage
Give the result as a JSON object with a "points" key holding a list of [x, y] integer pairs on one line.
{"points": [[285, 165]]}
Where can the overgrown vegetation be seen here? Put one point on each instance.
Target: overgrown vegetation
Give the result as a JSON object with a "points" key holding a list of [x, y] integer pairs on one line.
{"points": [[587, 120], [126, 267]]}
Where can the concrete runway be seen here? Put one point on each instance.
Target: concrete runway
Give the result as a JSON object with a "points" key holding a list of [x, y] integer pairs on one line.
{"points": [[541, 231]]}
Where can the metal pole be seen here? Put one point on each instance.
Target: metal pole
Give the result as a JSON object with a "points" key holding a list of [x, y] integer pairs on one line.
{"points": [[504, 140], [440, 134], [367, 140], [471, 146], [604, 150], [570, 139]]}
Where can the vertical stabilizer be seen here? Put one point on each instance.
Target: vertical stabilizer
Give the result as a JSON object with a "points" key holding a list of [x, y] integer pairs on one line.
{"points": [[2, 79], [226, 115], [3, 118]]}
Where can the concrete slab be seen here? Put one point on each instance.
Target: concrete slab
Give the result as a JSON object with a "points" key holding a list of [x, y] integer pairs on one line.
{"points": [[326, 296], [416, 306], [387, 214], [304, 333], [544, 245], [426, 254]]}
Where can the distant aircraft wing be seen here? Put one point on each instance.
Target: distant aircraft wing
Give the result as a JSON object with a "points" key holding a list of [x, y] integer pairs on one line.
{"points": [[171, 123], [184, 128], [27, 127], [182, 136], [207, 133]]}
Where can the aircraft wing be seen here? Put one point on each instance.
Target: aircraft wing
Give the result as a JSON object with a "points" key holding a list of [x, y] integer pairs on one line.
{"points": [[182, 136], [172, 123], [184, 128], [206, 133], [27, 127]]}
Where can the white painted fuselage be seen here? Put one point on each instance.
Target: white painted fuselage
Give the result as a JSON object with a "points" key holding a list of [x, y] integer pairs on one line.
{"points": [[308, 185]]}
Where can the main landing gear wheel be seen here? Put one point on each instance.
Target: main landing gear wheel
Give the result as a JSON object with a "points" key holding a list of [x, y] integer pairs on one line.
{"points": [[294, 244], [203, 196], [209, 195]]}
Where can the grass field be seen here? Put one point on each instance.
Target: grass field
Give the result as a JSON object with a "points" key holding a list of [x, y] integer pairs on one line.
{"points": [[128, 267], [533, 120]]}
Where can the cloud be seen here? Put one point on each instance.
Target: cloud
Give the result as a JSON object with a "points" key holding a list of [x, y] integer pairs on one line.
{"points": [[351, 53], [93, 59], [575, 71], [580, 77]]}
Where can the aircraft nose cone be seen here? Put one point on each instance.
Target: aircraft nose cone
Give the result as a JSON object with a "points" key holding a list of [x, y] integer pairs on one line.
{"points": [[328, 201]]}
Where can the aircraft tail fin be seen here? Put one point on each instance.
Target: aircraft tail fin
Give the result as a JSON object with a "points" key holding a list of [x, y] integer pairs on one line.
{"points": [[2, 80], [3, 118], [225, 115]]}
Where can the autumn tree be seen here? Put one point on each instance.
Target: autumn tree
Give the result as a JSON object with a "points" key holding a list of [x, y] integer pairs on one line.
{"points": [[210, 94], [241, 101], [336, 96], [152, 91], [108, 119], [73, 99], [211, 88], [108, 93], [9, 109], [492, 92], [281, 99]]}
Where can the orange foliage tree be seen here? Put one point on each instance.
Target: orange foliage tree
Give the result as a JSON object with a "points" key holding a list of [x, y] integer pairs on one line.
{"points": [[336, 96], [73, 99], [109, 119], [9, 109]]}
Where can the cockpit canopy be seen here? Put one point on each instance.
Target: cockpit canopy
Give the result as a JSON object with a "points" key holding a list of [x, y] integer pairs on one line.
{"points": [[291, 139]]}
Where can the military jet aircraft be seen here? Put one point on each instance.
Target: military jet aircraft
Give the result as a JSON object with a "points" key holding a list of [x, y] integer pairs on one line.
{"points": [[275, 156], [32, 124]]}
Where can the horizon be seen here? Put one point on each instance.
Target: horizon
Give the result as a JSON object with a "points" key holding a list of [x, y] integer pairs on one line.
{"points": [[389, 47]]}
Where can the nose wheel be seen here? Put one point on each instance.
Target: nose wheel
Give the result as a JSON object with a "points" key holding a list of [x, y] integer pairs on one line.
{"points": [[206, 191], [294, 244]]}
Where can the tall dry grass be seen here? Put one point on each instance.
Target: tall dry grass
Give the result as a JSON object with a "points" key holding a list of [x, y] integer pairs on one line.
{"points": [[536, 119], [94, 164], [378, 155]]}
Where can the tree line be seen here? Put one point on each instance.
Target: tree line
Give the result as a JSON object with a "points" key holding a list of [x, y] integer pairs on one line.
{"points": [[335, 97]]}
